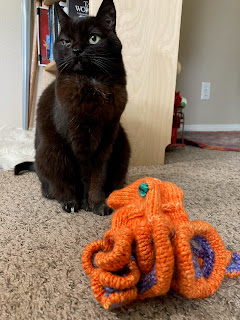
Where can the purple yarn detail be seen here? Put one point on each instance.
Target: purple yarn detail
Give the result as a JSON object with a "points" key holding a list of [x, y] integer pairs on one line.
{"points": [[201, 248], [234, 264], [109, 290], [236, 257], [117, 305], [148, 281], [198, 270], [93, 257], [121, 273], [172, 234]]}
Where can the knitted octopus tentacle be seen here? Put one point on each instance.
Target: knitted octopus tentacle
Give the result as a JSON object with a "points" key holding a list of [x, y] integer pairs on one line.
{"points": [[88, 256], [124, 279], [158, 281], [109, 297], [144, 247], [198, 240], [121, 253]]}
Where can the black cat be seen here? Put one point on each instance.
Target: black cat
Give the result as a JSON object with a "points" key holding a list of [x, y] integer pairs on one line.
{"points": [[82, 151]]}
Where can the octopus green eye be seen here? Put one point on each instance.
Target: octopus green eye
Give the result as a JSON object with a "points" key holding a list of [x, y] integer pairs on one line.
{"points": [[143, 189], [94, 39]]}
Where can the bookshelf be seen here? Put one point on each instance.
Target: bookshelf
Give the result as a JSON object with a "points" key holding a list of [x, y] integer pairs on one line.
{"points": [[51, 67], [49, 2]]}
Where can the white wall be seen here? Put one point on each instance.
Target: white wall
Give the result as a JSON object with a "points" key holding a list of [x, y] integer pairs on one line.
{"points": [[210, 51], [10, 64]]}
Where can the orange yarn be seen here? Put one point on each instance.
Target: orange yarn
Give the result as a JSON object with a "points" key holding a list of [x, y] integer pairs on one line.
{"points": [[152, 246]]}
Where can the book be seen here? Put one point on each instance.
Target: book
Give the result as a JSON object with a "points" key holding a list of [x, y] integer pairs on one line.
{"points": [[78, 8], [55, 25], [43, 36], [51, 37]]}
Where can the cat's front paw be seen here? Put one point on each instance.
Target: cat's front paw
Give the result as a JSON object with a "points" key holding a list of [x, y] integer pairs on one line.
{"points": [[48, 195], [85, 205], [102, 209], [70, 206]]}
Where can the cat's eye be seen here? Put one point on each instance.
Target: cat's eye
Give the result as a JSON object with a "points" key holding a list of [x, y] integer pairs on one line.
{"points": [[66, 43], [94, 39]]}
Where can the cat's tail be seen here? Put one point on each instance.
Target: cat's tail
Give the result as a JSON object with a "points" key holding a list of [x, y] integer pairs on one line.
{"points": [[24, 166]]}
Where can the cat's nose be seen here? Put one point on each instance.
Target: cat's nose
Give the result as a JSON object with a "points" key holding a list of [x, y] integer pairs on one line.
{"points": [[76, 51]]}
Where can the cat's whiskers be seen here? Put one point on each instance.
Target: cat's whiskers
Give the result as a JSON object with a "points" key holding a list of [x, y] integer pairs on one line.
{"points": [[107, 65], [100, 56], [62, 66], [101, 65], [63, 62]]}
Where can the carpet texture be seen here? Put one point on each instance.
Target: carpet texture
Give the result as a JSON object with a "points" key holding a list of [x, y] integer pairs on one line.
{"points": [[41, 276]]}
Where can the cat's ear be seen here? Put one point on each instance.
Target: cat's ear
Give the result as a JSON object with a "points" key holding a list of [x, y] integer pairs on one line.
{"points": [[63, 18], [107, 14]]}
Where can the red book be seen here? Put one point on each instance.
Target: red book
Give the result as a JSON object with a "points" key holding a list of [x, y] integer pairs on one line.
{"points": [[43, 36]]}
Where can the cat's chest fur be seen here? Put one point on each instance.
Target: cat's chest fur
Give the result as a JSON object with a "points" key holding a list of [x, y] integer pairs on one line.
{"points": [[87, 98], [87, 108]]}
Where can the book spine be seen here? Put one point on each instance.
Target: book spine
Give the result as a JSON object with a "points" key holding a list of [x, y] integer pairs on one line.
{"points": [[50, 34], [43, 36], [78, 8], [38, 36], [53, 24], [56, 26]]}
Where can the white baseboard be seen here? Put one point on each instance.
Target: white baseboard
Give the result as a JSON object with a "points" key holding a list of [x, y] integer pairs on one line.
{"points": [[212, 127]]}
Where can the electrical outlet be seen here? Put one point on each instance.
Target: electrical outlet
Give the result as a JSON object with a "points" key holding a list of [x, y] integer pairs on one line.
{"points": [[206, 91]]}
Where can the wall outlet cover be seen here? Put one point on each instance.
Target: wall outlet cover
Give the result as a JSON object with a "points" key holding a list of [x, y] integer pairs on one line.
{"points": [[206, 91]]}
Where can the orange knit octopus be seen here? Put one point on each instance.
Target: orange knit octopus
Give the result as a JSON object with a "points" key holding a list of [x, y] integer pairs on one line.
{"points": [[152, 246]]}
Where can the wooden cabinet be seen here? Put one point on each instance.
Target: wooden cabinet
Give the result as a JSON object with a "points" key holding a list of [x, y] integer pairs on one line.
{"points": [[149, 31]]}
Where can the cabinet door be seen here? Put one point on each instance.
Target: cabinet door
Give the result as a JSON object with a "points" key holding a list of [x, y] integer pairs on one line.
{"points": [[149, 31]]}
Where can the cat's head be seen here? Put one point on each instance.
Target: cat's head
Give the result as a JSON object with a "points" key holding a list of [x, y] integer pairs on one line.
{"points": [[89, 45]]}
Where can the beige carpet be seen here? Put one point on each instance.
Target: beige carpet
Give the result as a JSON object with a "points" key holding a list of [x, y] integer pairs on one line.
{"points": [[41, 275]]}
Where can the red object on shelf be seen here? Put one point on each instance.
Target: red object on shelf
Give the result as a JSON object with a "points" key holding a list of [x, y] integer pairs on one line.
{"points": [[43, 36], [178, 119]]}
